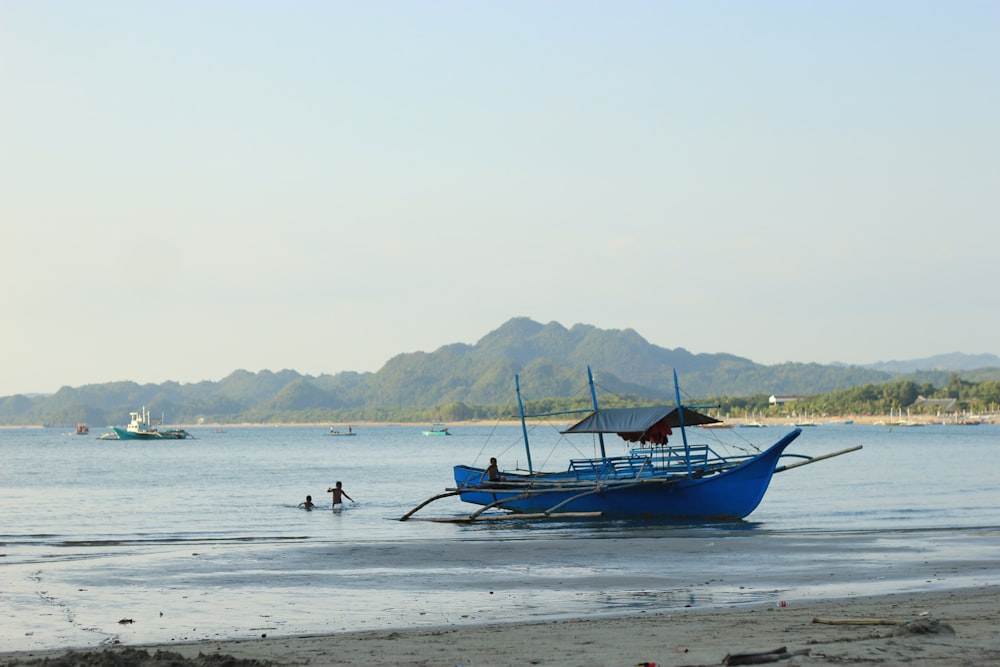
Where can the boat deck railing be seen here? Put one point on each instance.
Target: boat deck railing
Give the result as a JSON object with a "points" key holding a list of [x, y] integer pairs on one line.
{"points": [[613, 467], [702, 457], [644, 463]]}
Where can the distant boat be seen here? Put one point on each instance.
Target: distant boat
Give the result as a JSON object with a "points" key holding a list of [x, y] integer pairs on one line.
{"points": [[141, 428], [335, 431], [891, 421], [752, 424], [82, 429], [437, 429], [898, 421], [806, 422], [110, 435], [971, 420]]}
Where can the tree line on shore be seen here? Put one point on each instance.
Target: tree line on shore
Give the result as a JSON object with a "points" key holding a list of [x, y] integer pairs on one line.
{"points": [[870, 399], [865, 400]]}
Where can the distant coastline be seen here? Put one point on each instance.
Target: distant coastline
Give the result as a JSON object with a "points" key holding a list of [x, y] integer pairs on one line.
{"points": [[885, 419]]}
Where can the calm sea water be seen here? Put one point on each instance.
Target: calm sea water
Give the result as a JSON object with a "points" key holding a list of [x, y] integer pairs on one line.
{"points": [[202, 538]]}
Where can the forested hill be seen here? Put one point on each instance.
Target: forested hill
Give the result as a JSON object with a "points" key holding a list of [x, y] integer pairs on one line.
{"points": [[550, 359]]}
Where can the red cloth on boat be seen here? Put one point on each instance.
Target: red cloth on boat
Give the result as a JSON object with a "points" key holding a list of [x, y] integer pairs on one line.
{"points": [[655, 434]]}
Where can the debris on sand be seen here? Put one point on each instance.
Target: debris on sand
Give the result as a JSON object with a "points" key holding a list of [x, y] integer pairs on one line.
{"points": [[923, 626], [761, 658], [130, 657]]}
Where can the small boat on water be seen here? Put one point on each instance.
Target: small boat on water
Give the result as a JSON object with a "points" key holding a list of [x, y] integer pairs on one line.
{"points": [[141, 428], [752, 423], [82, 429], [437, 429], [807, 421], [336, 431], [965, 421], [897, 420], [655, 479]]}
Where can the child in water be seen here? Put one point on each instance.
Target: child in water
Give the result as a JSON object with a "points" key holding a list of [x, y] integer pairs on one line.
{"points": [[308, 504], [338, 495]]}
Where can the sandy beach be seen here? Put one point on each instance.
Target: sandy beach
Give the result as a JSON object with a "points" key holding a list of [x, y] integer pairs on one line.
{"points": [[946, 628]]}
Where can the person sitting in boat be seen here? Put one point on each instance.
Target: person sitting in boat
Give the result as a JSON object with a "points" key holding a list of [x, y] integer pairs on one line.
{"points": [[338, 495], [492, 472], [308, 504]]}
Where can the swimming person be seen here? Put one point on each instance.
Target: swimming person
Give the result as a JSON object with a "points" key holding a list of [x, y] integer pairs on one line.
{"points": [[338, 495], [308, 504]]}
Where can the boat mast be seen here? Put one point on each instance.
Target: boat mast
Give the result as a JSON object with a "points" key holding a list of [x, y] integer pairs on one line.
{"points": [[593, 398], [524, 428], [680, 420]]}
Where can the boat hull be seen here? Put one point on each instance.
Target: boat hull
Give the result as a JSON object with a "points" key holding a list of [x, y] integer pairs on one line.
{"points": [[125, 434], [732, 494]]}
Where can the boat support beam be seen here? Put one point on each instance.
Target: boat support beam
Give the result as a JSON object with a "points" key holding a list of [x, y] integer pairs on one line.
{"points": [[467, 489], [814, 459], [428, 502]]}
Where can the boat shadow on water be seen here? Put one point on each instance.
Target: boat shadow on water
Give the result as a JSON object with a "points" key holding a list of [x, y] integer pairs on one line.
{"points": [[526, 528]]}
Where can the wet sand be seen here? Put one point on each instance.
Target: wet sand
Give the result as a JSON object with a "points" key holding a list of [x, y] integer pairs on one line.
{"points": [[946, 628]]}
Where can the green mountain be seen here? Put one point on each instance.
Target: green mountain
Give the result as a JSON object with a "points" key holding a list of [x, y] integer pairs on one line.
{"points": [[447, 383]]}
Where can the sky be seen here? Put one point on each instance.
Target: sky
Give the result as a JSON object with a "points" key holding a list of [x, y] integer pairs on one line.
{"points": [[189, 188]]}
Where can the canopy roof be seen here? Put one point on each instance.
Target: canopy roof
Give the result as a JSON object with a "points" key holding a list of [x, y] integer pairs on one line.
{"points": [[650, 424]]}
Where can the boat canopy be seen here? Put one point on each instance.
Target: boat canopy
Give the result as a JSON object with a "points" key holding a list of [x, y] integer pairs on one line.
{"points": [[650, 424]]}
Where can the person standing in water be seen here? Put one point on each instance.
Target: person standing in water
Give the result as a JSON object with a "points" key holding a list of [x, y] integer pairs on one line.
{"points": [[338, 495], [492, 472]]}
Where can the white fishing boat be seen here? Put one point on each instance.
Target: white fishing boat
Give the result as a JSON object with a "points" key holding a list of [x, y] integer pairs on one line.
{"points": [[141, 427]]}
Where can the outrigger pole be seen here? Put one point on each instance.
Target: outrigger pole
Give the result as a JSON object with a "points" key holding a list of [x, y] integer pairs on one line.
{"points": [[814, 459], [428, 502]]}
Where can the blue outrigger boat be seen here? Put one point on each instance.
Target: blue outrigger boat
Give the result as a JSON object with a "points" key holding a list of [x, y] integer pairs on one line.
{"points": [[655, 479]]}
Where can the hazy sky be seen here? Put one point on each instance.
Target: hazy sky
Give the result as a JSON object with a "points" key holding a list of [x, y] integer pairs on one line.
{"points": [[191, 188]]}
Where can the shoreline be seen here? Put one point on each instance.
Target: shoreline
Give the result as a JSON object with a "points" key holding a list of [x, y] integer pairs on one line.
{"points": [[888, 421], [890, 628]]}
